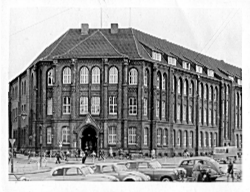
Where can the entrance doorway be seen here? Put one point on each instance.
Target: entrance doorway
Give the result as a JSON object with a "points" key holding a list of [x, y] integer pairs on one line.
{"points": [[89, 140]]}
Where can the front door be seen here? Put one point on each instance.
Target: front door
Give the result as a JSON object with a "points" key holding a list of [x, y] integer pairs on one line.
{"points": [[89, 140]]}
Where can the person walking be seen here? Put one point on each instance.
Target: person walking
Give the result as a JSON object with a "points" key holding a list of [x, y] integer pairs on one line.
{"points": [[29, 157], [111, 153], [101, 155], [58, 157], [230, 170], [153, 154], [84, 156]]}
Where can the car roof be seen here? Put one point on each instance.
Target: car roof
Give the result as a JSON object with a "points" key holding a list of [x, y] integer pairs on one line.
{"points": [[197, 158], [102, 164], [68, 166]]}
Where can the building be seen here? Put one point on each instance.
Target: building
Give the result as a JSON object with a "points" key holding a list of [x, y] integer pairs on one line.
{"points": [[122, 88]]}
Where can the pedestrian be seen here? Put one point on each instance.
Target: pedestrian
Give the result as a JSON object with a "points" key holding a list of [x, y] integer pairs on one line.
{"points": [[230, 170], [29, 157], [153, 154], [93, 154], [101, 155], [84, 156], [111, 152], [197, 176], [58, 157]]}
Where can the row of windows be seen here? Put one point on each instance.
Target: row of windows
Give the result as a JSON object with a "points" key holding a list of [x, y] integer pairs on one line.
{"points": [[95, 105], [95, 78], [238, 140]]}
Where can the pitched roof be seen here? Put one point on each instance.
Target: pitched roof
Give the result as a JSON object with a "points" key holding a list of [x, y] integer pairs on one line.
{"points": [[130, 43]]}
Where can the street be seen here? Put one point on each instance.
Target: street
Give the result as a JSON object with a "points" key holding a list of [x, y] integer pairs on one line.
{"points": [[34, 172]]}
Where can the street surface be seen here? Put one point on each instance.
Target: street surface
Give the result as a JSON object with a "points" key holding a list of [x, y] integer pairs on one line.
{"points": [[35, 172]]}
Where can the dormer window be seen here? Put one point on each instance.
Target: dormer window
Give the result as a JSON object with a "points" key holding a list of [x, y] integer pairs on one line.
{"points": [[156, 56], [171, 61], [230, 77], [198, 69], [239, 81], [210, 73], [186, 65]]}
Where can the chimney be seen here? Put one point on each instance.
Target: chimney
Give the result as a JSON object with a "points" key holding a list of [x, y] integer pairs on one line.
{"points": [[85, 29], [114, 28]]}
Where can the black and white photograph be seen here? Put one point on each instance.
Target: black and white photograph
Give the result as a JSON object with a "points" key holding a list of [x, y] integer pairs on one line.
{"points": [[107, 91]]}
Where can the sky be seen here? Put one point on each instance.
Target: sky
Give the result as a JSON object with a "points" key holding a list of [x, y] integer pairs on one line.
{"points": [[216, 32]]}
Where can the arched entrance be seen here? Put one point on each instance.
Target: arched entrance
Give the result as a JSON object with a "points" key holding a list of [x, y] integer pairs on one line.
{"points": [[89, 139]]}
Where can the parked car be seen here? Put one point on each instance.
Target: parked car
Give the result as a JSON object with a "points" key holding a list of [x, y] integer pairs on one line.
{"points": [[155, 170], [120, 171], [76, 172], [14, 177], [208, 163]]}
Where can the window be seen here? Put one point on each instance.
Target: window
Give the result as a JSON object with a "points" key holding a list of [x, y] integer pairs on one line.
{"points": [[165, 137], [49, 135], [209, 140], [239, 81], [65, 135], [210, 116], [185, 65], [49, 106], [190, 113], [156, 56], [113, 105], [133, 77], [185, 139], [174, 138], [231, 78], [191, 136], [132, 106], [95, 75], [200, 139], [184, 112], [112, 135], [158, 81], [179, 86], [164, 82], [145, 107], [24, 87], [200, 90], [215, 94], [178, 112], [50, 77], [157, 108], [131, 135], [163, 110], [205, 115], [185, 88], [113, 75], [84, 75], [205, 92], [210, 93], [146, 78], [95, 105], [171, 61], [66, 105], [215, 139], [159, 135], [66, 75], [174, 82], [145, 136], [210, 73], [83, 105], [206, 140], [179, 139], [215, 115], [191, 89], [198, 69]]}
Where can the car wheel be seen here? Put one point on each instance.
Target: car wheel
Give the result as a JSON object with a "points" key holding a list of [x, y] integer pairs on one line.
{"points": [[165, 179]]}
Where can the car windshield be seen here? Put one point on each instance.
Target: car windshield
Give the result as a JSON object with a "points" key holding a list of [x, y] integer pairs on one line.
{"points": [[155, 164], [121, 167], [87, 170]]}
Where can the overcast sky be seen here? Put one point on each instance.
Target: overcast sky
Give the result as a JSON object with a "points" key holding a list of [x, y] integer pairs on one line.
{"points": [[216, 32]]}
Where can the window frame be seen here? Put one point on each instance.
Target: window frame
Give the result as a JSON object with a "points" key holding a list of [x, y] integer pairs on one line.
{"points": [[95, 75], [113, 107], [112, 135], [132, 136], [113, 75], [66, 134], [133, 76], [84, 105], [66, 105], [95, 105], [132, 106], [84, 75], [67, 76], [49, 135]]}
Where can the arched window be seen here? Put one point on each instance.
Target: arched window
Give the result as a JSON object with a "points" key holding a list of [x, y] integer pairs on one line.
{"points": [[191, 89], [174, 138], [215, 139], [210, 93], [95, 75], [50, 76], [174, 84], [185, 139], [215, 94], [145, 140], [205, 92], [159, 136], [158, 80], [66, 75], [133, 76], [191, 138], [146, 78], [65, 135], [200, 139], [165, 137], [206, 140], [179, 86], [200, 90], [185, 88], [84, 75], [164, 82], [113, 75]]}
